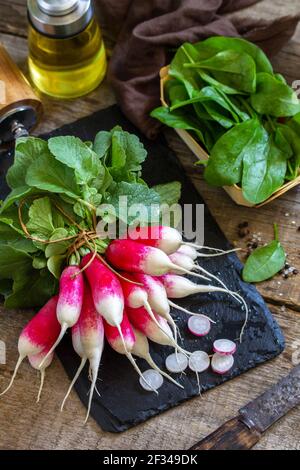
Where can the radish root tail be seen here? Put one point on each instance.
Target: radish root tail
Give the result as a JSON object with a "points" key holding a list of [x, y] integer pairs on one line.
{"points": [[212, 276], [132, 360], [122, 339], [205, 247], [41, 385], [219, 253], [81, 366], [91, 397], [176, 267], [63, 330], [94, 363], [19, 362], [182, 309], [152, 316]]}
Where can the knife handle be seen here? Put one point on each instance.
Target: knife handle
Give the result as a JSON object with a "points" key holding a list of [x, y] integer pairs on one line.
{"points": [[232, 435]]}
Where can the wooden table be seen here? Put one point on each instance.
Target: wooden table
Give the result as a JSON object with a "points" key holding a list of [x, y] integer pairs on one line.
{"points": [[26, 425]]}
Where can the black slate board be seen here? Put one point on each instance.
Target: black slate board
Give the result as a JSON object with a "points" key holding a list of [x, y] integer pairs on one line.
{"points": [[123, 403]]}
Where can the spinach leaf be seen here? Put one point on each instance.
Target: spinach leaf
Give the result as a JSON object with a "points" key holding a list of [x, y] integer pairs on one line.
{"points": [[221, 43], [263, 173], [195, 78], [274, 98], [214, 103], [265, 261], [292, 137], [234, 69], [189, 77], [178, 120], [225, 165], [176, 93]]}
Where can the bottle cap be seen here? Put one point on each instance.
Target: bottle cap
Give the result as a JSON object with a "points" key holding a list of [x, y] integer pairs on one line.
{"points": [[57, 7], [60, 18]]}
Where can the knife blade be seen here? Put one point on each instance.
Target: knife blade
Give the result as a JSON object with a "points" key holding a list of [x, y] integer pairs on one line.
{"points": [[265, 410], [245, 430]]}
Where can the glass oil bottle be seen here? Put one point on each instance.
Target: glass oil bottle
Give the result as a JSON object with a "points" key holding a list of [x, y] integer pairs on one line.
{"points": [[67, 56]]}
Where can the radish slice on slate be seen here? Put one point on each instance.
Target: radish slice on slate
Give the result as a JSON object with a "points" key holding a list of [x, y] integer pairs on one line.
{"points": [[176, 362], [221, 364], [153, 378], [199, 361], [199, 326], [224, 347]]}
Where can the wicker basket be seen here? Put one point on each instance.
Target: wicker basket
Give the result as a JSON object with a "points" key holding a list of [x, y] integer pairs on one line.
{"points": [[235, 192]]}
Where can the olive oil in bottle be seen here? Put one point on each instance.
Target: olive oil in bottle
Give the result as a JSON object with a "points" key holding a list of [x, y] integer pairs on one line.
{"points": [[67, 56]]}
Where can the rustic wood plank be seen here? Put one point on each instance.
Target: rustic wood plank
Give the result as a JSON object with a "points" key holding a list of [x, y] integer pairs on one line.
{"points": [[13, 18], [26, 425]]}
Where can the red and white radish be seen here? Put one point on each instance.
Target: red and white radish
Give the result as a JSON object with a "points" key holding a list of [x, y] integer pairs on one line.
{"points": [[88, 341], [224, 347], [92, 339], [187, 263], [178, 287], [131, 256], [199, 326], [106, 290], [140, 319], [157, 298], [38, 335], [165, 238], [70, 298], [141, 349], [221, 364], [188, 251], [136, 296], [176, 362]]}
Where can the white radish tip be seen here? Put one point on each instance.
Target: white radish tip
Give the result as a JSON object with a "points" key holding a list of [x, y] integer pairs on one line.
{"points": [[176, 362], [153, 378], [199, 326], [199, 361], [221, 364], [224, 347]]}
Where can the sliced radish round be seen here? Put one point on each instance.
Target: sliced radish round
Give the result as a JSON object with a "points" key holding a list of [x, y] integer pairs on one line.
{"points": [[221, 364], [224, 347], [199, 361], [199, 325], [153, 378], [176, 362]]}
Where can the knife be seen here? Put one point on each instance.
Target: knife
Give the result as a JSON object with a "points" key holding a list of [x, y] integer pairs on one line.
{"points": [[246, 429]]}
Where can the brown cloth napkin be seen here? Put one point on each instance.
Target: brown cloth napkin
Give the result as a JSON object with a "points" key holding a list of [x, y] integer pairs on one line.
{"points": [[147, 31]]}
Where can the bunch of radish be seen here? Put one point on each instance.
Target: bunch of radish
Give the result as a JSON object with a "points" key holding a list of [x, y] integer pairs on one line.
{"points": [[126, 297]]}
